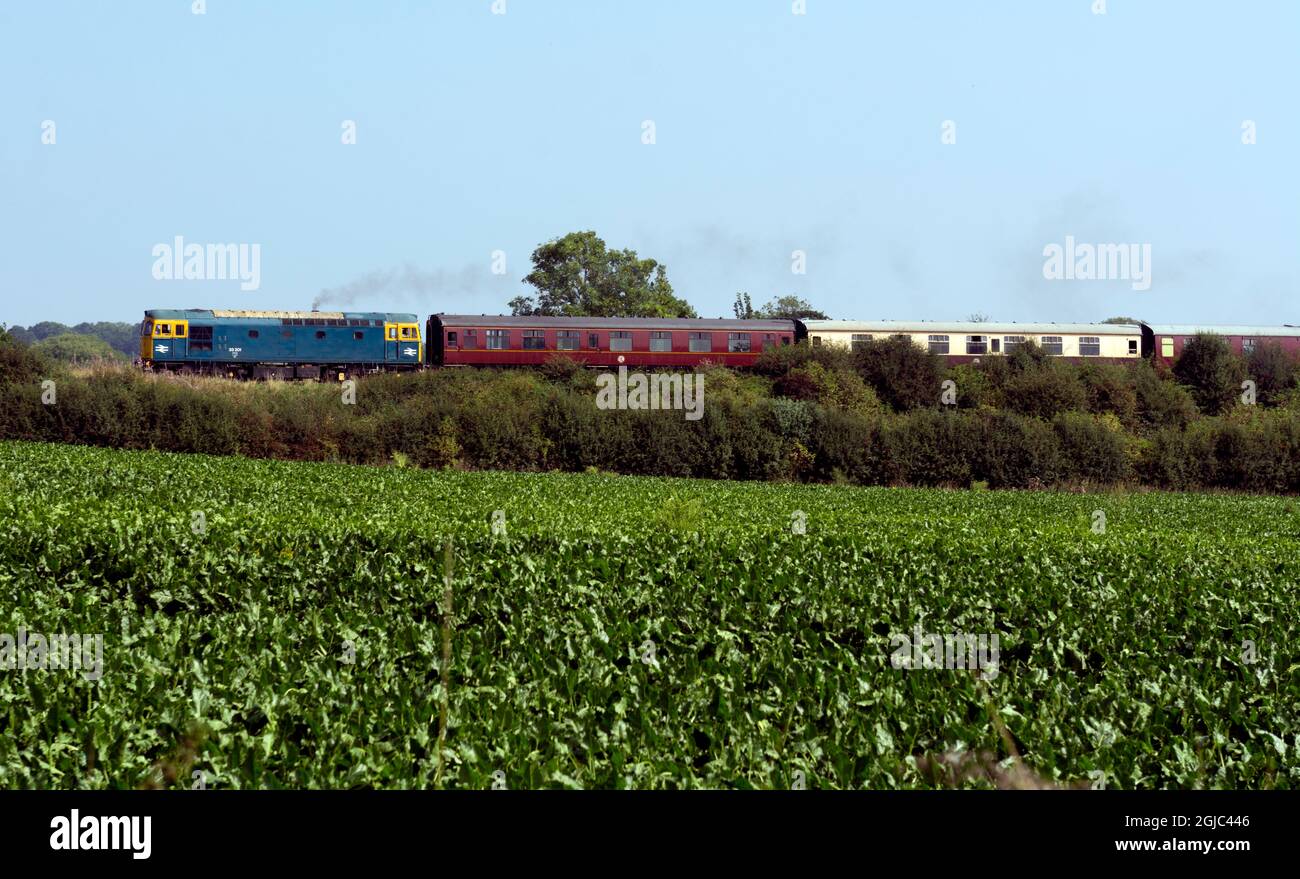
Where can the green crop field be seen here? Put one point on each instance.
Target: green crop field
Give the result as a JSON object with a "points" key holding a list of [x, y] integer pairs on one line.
{"points": [[271, 624]]}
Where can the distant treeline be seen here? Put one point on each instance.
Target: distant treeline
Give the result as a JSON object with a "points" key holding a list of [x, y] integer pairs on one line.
{"points": [[889, 414], [122, 338]]}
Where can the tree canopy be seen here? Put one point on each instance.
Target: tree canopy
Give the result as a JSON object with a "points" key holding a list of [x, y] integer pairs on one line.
{"points": [[76, 348], [577, 275], [781, 308]]}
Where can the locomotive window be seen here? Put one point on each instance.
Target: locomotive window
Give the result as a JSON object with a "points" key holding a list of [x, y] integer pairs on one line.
{"points": [[738, 343], [408, 332], [163, 330], [252, 334], [286, 334], [497, 339], [976, 344], [859, 341], [1053, 345], [297, 322], [661, 341], [392, 333], [567, 340], [938, 344], [359, 335], [1011, 343], [701, 342], [534, 340], [195, 347], [593, 340], [1090, 346], [320, 334], [201, 334], [620, 340], [146, 328], [180, 331]]}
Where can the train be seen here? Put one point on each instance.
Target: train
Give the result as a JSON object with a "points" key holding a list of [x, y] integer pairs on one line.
{"points": [[337, 345]]}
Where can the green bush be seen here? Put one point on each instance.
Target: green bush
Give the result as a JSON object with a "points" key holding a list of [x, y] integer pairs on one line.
{"points": [[900, 372], [1212, 371]]}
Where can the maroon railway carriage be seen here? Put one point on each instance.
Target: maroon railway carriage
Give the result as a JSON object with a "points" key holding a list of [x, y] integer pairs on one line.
{"points": [[1165, 342], [494, 340]]}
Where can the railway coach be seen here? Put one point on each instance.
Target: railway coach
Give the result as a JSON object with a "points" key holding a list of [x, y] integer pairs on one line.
{"points": [[1165, 342], [488, 340], [279, 344], [965, 341]]}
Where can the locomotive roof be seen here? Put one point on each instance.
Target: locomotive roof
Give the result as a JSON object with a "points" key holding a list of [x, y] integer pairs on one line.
{"points": [[1223, 330], [972, 327], [614, 323], [249, 314]]}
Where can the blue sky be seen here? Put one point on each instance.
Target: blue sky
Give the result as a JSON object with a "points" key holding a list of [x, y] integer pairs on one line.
{"points": [[774, 132]]}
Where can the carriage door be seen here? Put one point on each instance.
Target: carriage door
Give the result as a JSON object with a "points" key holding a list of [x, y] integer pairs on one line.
{"points": [[391, 343], [181, 337]]}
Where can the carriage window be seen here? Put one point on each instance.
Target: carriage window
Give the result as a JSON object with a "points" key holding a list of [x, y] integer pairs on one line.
{"points": [[1247, 346], [817, 341], [470, 340], [976, 344], [620, 340], [451, 337], [1132, 346], [1011, 343], [567, 340], [701, 342], [661, 341], [738, 343], [859, 341], [938, 344], [994, 342], [534, 340], [1053, 345], [1166, 347], [497, 339], [1090, 346], [785, 340], [593, 340], [769, 341]]}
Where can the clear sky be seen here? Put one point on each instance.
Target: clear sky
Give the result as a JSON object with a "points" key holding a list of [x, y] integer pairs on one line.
{"points": [[774, 132]]}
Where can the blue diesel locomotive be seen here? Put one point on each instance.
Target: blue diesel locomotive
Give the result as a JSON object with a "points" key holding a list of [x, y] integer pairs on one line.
{"points": [[235, 343]]}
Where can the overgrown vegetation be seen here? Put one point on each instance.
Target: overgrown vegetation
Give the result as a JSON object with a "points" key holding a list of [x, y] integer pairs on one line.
{"points": [[875, 416]]}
